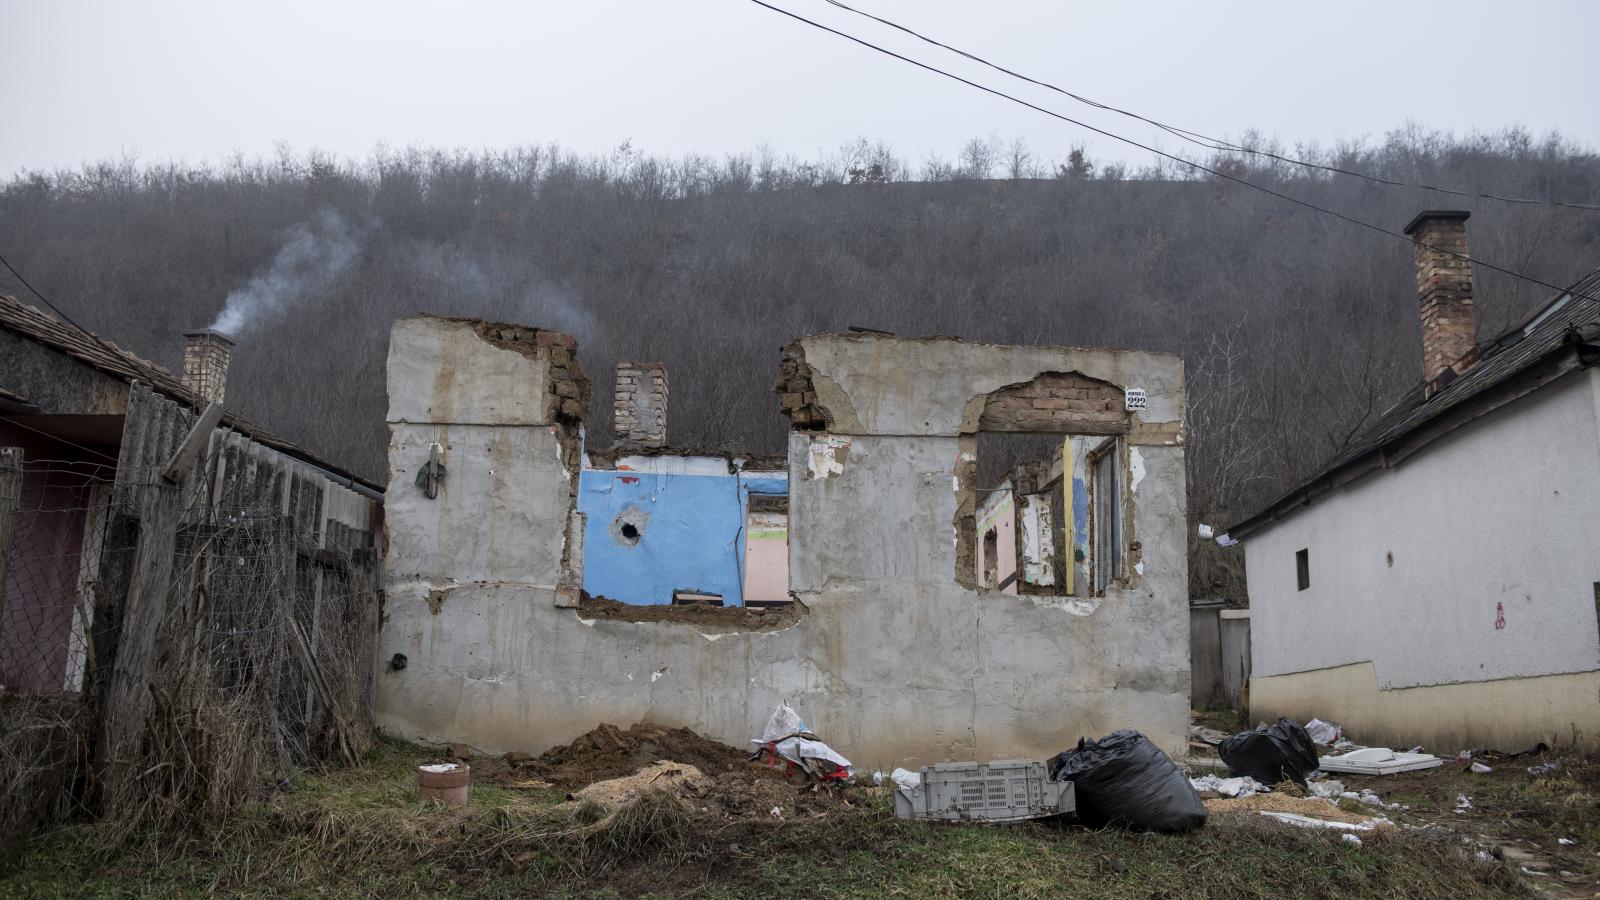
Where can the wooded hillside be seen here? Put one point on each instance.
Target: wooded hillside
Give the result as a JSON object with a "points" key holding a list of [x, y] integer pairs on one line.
{"points": [[1295, 327]]}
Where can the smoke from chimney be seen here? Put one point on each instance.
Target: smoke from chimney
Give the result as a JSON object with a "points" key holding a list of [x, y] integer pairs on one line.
{"points": [[314, 254]]}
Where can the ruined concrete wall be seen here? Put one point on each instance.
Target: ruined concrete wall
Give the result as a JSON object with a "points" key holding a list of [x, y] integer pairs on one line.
{"points": [[890, 659]]}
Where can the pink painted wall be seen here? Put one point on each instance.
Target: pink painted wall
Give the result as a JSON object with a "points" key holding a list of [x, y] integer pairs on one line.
{"points": [[766, 557], [997, 513], [42, 577]]}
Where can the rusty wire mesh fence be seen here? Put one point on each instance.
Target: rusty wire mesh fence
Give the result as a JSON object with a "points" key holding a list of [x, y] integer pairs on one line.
{"points": [[163, 671]]}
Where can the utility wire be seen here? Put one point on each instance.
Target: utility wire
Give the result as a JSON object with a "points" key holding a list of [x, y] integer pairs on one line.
{"points": [[1212, 143], [1177, 159]]}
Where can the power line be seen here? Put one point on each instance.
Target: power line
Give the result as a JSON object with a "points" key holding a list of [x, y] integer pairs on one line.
{"points": [[1212, 143], [57, 310], [1162, 153]]}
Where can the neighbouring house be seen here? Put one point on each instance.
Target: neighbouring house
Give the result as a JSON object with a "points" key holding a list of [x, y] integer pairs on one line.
{"points": [[1439, 582], [502, 529], [89, 430]]}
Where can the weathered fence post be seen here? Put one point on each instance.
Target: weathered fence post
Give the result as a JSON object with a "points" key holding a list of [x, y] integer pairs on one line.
{"points": [[10, 495]]}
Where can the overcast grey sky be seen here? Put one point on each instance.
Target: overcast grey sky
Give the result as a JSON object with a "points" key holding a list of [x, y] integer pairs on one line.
{"points": [[200, 79]]}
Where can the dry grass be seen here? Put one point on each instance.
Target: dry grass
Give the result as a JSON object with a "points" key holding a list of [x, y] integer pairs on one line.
{"points": [[362, 833]]}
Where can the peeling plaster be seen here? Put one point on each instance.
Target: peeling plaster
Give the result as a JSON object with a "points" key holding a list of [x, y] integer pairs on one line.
{"points": [[1135, 468], [1075, 605], [826, 455]]}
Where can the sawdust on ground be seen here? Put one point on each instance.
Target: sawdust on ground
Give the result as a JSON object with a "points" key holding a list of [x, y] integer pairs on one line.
{"points": [[1275, 802], [671, 777]]}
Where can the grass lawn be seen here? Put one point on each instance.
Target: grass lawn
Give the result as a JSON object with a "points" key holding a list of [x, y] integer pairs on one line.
{"points": [[362, 833]]}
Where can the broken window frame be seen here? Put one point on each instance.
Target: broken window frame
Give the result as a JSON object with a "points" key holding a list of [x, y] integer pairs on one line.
{"points": [[1108, 546]]}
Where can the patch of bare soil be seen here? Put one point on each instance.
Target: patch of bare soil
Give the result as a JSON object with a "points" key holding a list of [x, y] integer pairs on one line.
{"points": [[754, 791], [721, 618], [609, 752]]}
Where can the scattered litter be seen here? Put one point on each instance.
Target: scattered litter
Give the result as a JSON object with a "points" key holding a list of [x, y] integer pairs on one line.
{"points": [[1271, 753], [901, 778], [788, 742], [996, 791], [776, 812], [1417, 749], [1277, 801], [1528, 871], [1342, 744], [1481, 769], [1565, 842], [1323, 732], [1208, 735], [1351, 839], [674, 778], [1378, 761], [1328, 789], [1484, 856], [1242, 786], [1309, 822], [1544, 768], [1125, 779], [1463, 803]]}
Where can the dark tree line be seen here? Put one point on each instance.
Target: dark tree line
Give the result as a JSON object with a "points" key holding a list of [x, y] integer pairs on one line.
{"points": [[1296, 328]]}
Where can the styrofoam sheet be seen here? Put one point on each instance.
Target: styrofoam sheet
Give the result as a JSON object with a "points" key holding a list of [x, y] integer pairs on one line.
{"points": [[1377, 761]]}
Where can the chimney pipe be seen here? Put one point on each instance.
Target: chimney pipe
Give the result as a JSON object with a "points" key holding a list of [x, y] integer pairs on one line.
{"points": [[1444, 291], [641, 405], [205, 364]]}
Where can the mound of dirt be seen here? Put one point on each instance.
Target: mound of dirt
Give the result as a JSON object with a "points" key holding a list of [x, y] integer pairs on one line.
{"points": [[753, 792], [609, 752]]}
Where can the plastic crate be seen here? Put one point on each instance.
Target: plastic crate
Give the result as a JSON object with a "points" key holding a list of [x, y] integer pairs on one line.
{"points": [[998, 791]]}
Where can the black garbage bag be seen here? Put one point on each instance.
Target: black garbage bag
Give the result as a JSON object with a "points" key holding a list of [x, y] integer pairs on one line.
{"points": [[1271, 753], [1123, 779]]}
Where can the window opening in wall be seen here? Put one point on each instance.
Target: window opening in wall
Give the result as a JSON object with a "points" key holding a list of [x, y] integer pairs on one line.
{"points": [[766, 550], [1106, 525], [1302, 568], [989, 561], [1027, 474]]}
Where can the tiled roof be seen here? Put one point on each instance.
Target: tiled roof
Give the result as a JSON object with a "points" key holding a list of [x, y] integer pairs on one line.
{"points": [[31, 322], [1573, 312]]}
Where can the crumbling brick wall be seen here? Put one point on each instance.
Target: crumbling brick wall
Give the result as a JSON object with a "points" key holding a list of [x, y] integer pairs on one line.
{"points": [[797, 396], [1055, 402]]}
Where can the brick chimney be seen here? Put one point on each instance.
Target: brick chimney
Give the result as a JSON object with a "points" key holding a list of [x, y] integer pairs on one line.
{"points": [[205, 363], [641, 410], [1444, 289]]}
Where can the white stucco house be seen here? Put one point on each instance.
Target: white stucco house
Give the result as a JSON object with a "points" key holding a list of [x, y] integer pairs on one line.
{"points": [[1439, 583]]}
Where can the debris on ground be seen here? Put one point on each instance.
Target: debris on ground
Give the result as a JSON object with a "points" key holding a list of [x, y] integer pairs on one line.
{"points": [[1322, 732], [1272, 753], [1210, 736], [1351, 839], [1125, 779], [1242, 786], [901, 777], [788, 744], [996, 791], [1303, 821], [1282, 803], [1377, 761], [673, 778]]}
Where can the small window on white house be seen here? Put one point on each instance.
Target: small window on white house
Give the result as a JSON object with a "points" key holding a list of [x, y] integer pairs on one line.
{"points": [[1302, 568], [1105, 519]]}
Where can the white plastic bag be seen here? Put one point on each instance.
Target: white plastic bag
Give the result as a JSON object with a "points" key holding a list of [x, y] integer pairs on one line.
{"points": [[1323, 732], [784, 723]]}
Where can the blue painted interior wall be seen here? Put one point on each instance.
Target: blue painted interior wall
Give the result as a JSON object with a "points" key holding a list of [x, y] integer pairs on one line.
{"points": [[693, 537]]}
